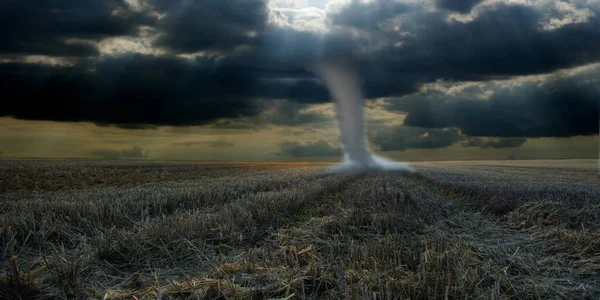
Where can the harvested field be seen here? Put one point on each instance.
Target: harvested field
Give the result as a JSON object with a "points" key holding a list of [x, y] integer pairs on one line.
{"points": [[90, 229]]}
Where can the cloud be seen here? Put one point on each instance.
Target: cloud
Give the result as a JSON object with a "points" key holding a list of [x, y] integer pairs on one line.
{"points": [[320, 148], [493, 142], [298, 3], [138, 91], [300, 90], [298, 131], [551, 107], [239, 123], [291, 114], [240, 52], [400, 138], [210, 144], [114, 154], [461, 6], [127, 90], [367, 15], [192, 26], [422, 45], [564, 13], [64, 27], [503, 39]]}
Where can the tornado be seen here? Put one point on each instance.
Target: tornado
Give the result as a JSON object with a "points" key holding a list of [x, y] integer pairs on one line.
{"points": [[342, 80]]}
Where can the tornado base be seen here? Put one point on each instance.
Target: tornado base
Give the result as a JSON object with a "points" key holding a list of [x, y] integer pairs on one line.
{"points": [[376, 163]]}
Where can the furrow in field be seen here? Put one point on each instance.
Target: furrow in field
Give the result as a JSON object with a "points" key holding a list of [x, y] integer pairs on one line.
{"points": [[119, 207], [523, 174], [390, 235], [248, 218], [501, 192], [382, 236], [531, 230], [300, 232]]}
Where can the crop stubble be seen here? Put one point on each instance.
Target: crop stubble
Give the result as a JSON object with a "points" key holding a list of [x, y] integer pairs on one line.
{"points": [[233, 230]]}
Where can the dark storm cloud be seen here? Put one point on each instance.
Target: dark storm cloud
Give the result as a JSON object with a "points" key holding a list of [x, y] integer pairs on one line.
{"points": [[503, 40], [288, 48], [397, 48], [138, 91], [559, 107], [461, 6], [134, 152], [125, 90], [396, 55], [191, 26], [412, 45], [399, 138], [493, 143], [300, 90], [320, 148], [43, 26]]}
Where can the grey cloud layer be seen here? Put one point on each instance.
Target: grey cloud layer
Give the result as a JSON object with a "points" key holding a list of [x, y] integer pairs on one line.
{"points": [[44, 26], [259, 53], [557, 107], [400, 138], [140, 89], [462, 6], [191, 26]]}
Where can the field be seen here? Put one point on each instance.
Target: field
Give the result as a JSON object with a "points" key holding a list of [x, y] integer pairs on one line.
{"points": [[127, 230]]}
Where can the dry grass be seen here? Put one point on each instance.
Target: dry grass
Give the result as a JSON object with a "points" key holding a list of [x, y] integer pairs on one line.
{"points": [[291, 231], [44, 175]]}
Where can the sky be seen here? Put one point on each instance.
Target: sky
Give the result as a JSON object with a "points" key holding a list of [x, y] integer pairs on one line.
{"points": [[230, 80]]}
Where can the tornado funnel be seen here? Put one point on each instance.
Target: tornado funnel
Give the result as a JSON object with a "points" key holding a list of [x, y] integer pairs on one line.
{"points": [[344, 86]]}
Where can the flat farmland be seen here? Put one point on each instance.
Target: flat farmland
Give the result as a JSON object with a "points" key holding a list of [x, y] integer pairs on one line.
{"points": [[147, 230]]}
